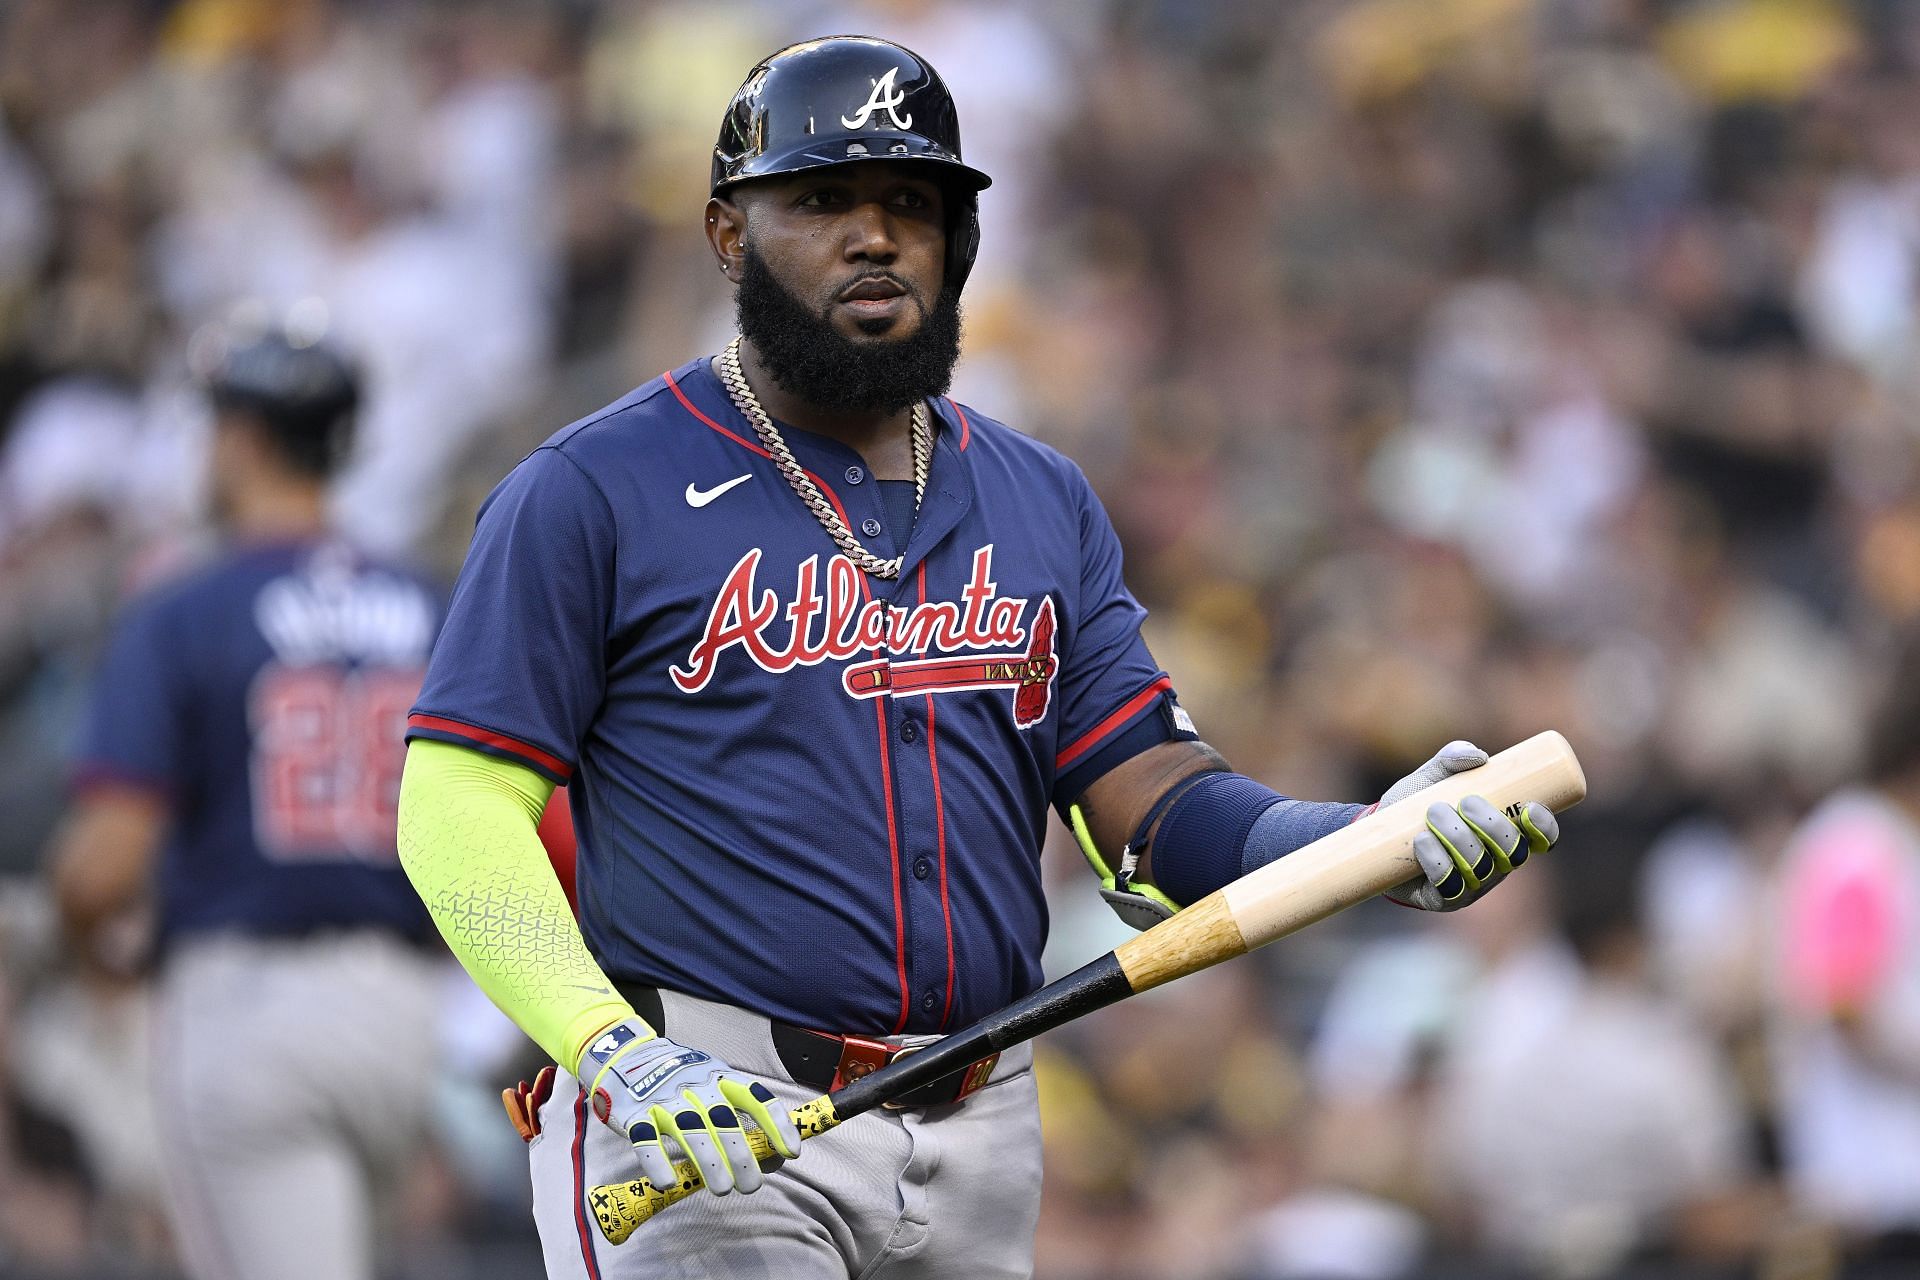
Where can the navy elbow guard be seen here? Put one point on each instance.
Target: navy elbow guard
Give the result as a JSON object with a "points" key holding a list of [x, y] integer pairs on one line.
{"points": [[1224, 825]]}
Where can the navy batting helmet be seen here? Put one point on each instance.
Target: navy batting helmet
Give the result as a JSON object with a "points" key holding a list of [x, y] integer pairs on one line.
{"points": [[303, 392], [845, 100]]}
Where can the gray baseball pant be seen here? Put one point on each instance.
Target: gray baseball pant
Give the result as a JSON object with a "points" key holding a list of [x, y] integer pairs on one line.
{"points": [[292, 1079], [942, 1193]]}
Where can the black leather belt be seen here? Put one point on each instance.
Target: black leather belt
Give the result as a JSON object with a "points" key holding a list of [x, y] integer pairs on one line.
{"points": [[825, 1061]]}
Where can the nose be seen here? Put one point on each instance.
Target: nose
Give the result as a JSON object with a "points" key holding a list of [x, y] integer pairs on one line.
{"points": [[870, 234]]}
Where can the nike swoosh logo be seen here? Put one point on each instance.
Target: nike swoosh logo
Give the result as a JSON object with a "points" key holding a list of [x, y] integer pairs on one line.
{"points": [[701, 497]]}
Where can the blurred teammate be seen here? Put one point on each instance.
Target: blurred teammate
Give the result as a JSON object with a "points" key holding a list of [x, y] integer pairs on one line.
{"points": [[238, 777], [1845, 1034], [818, 647]]}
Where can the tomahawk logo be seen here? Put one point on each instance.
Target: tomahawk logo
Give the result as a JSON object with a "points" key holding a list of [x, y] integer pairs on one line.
{"points": [[1029, 674], [885, 97]]}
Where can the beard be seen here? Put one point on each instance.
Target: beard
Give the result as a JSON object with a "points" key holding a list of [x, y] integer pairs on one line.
{"points": [[809, 358]]}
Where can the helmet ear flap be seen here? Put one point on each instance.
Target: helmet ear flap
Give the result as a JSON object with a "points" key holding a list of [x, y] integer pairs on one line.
{"points": [[963, 242]]}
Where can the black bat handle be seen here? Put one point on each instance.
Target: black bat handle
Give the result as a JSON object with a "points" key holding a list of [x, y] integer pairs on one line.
{"points": [[1092, 986]]}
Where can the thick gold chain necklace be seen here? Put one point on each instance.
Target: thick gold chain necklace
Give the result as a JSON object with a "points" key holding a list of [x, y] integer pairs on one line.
{"points": [[749, 406]]}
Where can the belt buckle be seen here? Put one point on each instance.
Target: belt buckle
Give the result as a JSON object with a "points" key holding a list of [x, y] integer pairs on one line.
{"points": [[858, 1057], [894, 1104]]}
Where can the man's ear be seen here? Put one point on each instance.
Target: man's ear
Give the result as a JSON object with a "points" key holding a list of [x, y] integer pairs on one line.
{"points": [[727, 234]]}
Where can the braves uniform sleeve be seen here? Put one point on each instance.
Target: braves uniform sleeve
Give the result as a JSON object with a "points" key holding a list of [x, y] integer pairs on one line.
{"points": [[1115, 700], [519, 669], [136, 725]]}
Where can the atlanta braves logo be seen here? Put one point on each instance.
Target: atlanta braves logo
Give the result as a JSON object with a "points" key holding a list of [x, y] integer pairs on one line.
{"points": [[1030, 673], [981, 640], [885, 97]]}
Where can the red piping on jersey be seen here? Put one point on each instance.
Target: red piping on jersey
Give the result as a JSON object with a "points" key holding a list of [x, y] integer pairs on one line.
{"points": [[1086, 741], [893, 857], [744, 443], [940, 828], [488, 738], [966, 429], [691, 408], [879, 707], [580, 1185], [886, 789]]}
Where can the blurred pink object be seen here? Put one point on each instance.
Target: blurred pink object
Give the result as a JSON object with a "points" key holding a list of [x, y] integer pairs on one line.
{"points": [[1843, 913]]}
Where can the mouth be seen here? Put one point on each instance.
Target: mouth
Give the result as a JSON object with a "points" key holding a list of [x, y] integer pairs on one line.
{"points": [[875, 301], [873, 289]]}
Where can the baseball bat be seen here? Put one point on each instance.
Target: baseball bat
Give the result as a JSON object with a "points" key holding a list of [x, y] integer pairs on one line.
{"points": [[1308, 885]]}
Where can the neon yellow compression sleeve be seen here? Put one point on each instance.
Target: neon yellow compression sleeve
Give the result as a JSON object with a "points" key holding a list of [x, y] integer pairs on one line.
{"points": [[469, 842]]}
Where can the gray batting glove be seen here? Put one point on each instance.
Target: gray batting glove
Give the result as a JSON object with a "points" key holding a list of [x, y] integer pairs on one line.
{"points": [[651, 1089], [1470, 847]]}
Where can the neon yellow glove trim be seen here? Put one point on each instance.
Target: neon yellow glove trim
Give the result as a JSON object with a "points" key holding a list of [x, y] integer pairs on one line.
{"points": [[628, 1048], [1088, 849], [1108, 878], [469, 842], [1459, 859]]}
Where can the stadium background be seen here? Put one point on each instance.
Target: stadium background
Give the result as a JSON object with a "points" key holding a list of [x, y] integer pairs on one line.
{"points": [[1449, 367]]}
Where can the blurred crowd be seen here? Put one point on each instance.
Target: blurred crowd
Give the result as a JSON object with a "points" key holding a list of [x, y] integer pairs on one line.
{"points": [[1450, 368]]}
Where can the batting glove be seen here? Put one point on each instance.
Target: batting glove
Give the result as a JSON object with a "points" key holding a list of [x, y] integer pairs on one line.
{"points": [[1470, 847], [651, 1089]]}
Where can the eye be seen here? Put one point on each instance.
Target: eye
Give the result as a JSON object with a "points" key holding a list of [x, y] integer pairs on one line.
{"points": [[822, 198], [917, 199]]}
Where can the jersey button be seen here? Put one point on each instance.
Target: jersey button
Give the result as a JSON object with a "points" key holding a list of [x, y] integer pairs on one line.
{"points": [[922, 869], [855, 475], [928, 1000], [871, 528], [908, 733]]}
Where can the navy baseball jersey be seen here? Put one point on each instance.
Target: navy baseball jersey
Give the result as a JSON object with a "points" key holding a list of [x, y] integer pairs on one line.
{"points": [[800, 789], [263, 697]]}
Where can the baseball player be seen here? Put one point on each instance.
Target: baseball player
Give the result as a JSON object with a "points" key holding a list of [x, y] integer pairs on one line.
{"points": [[238, 777], [816, 648]]}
